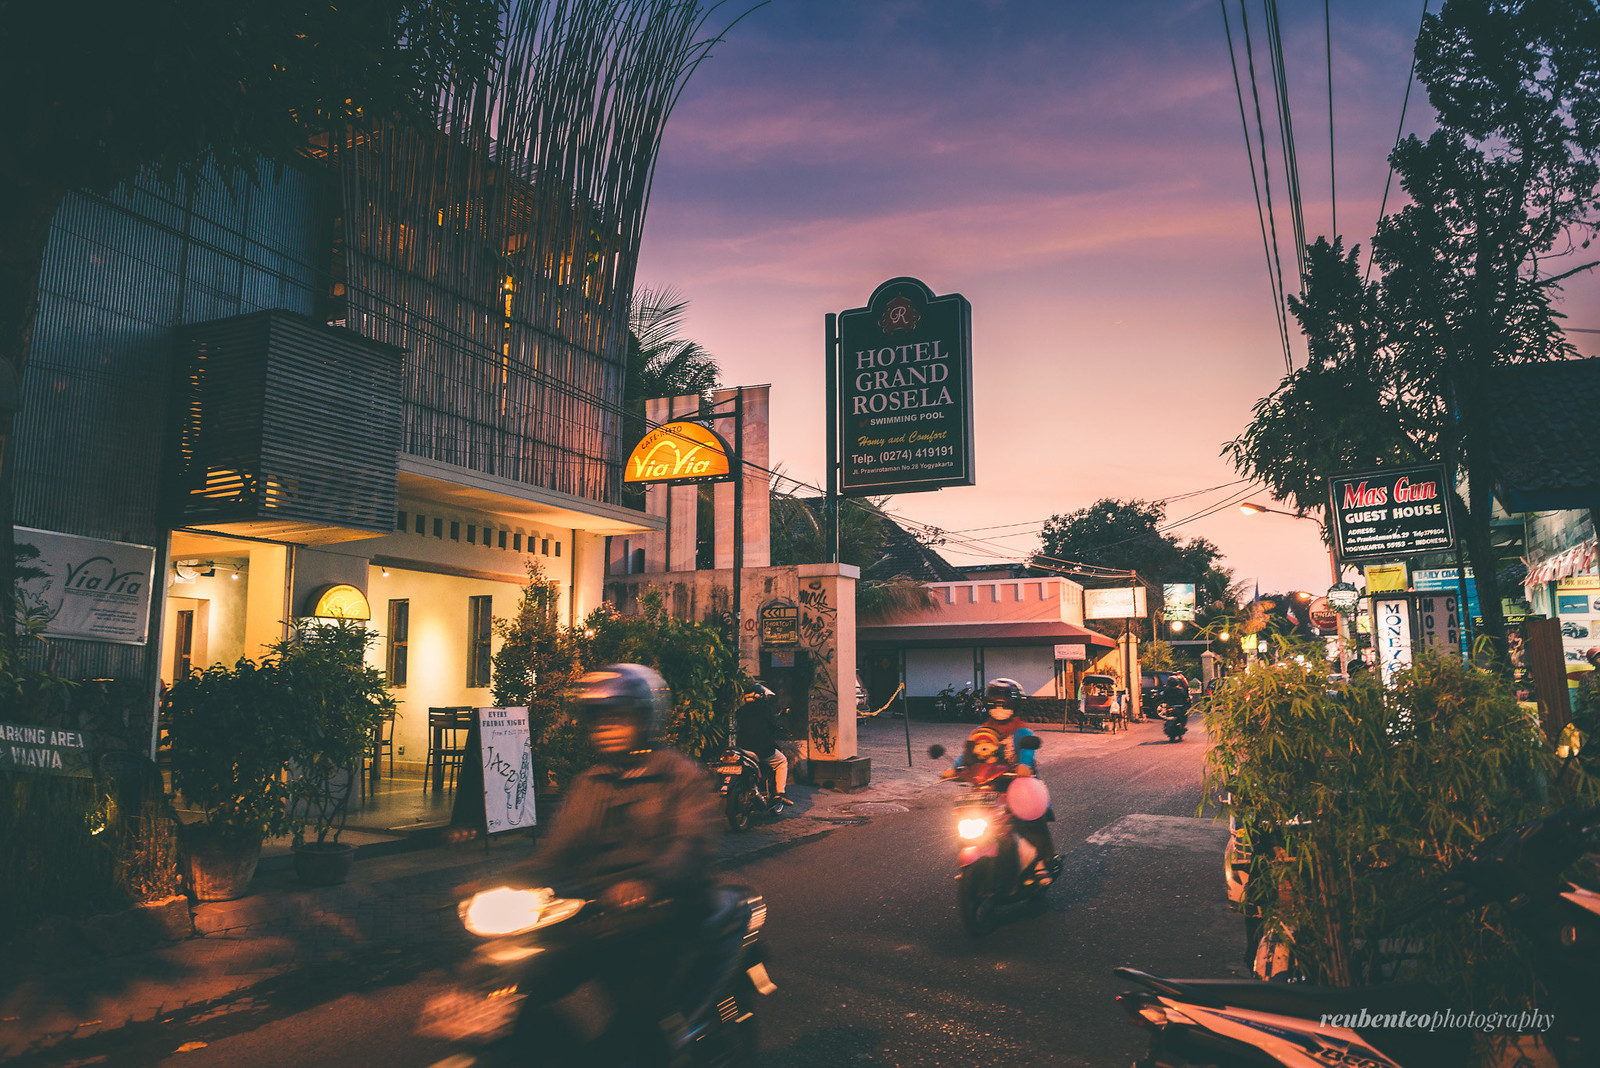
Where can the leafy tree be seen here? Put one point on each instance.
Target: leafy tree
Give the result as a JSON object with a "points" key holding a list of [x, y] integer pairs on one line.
{"points": [[99, 94], [1505, 187], [1127, 536], [536, 662]]}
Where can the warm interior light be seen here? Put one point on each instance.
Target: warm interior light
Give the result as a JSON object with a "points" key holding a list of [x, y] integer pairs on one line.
{"points": [[1177, 626]]}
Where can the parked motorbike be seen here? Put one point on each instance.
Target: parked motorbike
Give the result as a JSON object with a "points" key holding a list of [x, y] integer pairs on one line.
{"points": [[746, 786], [526, 986], [996, 863], [1229, 1023], [1175, 723]]}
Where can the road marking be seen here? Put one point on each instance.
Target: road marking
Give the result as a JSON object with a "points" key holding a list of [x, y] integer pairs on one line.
{"points": [[1195, 834]]}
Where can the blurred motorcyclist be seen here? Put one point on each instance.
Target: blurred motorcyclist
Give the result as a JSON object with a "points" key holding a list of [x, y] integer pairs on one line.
{"points": [[757, 726], [637, 829], [1003, 700]]}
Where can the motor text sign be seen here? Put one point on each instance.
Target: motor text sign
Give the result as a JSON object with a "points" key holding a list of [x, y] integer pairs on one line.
{"points": [[1390, 514], [904, 392]]}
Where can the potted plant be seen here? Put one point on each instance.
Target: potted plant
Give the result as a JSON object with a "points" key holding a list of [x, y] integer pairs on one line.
{"points": [[232, 732], [340, 701]]}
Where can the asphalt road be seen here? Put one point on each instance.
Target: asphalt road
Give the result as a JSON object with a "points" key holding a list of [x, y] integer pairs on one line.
{"points": [[872, 964]]}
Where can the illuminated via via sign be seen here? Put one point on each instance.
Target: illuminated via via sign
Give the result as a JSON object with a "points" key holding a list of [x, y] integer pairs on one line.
{"points": [[342, 602], [678, 452]]}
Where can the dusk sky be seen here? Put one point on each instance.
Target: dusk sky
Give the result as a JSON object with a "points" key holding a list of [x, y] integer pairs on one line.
{"points": [[1077, 171]]}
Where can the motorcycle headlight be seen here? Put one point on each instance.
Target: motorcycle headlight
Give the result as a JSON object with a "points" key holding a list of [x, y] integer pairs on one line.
{"points": [[971, 829], [504, 911]]}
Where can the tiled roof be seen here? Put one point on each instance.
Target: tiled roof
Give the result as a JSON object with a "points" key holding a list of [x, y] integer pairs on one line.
{"points": [[1546, 441]]}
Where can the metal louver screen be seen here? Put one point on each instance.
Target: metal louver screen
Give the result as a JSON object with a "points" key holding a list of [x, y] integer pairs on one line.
{"points": [[281, 418]]}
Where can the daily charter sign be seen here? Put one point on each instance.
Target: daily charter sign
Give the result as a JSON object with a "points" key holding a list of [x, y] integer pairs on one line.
{"points": [[904, 391], [1392, 513]]}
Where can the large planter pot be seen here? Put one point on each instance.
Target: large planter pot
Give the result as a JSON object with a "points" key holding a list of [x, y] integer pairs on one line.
{"points": [[325, 864], [217, 869]]}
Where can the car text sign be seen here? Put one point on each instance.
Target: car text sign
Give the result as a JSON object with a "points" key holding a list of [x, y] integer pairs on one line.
{"points": [[1392, 513], [904, 389]]}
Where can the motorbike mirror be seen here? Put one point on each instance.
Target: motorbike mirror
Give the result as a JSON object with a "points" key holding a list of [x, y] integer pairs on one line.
{"points": [[1030, 742], [936, 751]]}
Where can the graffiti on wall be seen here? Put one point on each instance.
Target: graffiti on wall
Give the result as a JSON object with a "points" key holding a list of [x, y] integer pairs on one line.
{"points": [[818, 626]]}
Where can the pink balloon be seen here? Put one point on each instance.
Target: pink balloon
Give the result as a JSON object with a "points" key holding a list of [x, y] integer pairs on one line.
{"points": [[1028, 798]]}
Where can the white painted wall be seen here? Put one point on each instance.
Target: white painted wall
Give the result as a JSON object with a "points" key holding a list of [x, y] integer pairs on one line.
{"points": [[1034, 668], [930, 670]]}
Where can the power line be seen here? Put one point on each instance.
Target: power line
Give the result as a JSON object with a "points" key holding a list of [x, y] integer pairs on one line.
{"points": [[1291, 162], [1399, 130], [1275, 285], [1333, 183]]}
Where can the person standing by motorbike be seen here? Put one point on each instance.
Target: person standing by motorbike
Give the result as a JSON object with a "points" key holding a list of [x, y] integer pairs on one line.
{"points": [[1003, 700], [756, 724], [635, 831]]}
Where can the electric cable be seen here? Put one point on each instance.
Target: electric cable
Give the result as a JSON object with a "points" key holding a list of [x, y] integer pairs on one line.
{"points": [[1255, 185], [1399, 130]]}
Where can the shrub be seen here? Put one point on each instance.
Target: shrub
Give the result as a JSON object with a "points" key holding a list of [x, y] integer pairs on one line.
{"points": [[1358, 798]]}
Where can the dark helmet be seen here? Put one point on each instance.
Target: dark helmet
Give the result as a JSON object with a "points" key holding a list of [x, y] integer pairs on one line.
{"points": [[757, 692], [630, 689], [1007, 692]]}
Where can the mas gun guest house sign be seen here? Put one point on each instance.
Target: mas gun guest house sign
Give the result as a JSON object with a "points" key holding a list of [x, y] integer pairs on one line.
{"points": [[1392, 513]]}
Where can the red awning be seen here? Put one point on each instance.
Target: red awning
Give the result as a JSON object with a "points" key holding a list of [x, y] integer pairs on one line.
{"points": [[941, 634]]}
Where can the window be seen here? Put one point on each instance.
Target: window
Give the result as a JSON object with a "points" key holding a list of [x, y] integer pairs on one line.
{"points": [[472, 535], [502, 539], [480, 625], [400, 521], [422, 523], [455, 530], [558, 548], [399, 640], [517, 542], [438, 528], [544, 546]]}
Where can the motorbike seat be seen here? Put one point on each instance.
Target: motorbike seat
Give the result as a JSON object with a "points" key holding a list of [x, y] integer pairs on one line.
{"points": [[1293, 999]]}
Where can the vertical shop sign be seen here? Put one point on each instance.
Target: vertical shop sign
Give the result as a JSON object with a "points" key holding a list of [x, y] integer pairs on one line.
{"points": [[1439, 623], [904, 389], [1392, 634]]}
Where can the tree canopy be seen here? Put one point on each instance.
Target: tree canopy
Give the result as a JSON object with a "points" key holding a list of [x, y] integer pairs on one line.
{"points": [[1503, 204]]}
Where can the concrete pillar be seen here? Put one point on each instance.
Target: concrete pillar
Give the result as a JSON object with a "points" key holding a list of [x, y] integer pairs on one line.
{"points": [[674, 549], [757, 500], [587, 587], [827, 603]]}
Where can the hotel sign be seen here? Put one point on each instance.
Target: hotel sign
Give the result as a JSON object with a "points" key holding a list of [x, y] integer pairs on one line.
{"points": [[1390, 514], [679, 452], [904, 392]]}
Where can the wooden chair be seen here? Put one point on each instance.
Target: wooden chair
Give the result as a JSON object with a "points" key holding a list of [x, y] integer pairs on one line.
{"points": [[382, 742], [447, 744]]}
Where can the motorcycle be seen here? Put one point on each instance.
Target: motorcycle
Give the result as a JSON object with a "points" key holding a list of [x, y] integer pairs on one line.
{"points": [[1175, 723], [525, 986], [1229, 1023], [996, 863], [746, 787]]}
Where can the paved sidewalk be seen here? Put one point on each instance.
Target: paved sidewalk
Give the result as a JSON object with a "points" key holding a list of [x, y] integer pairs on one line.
{"points": [[401, 903]]}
